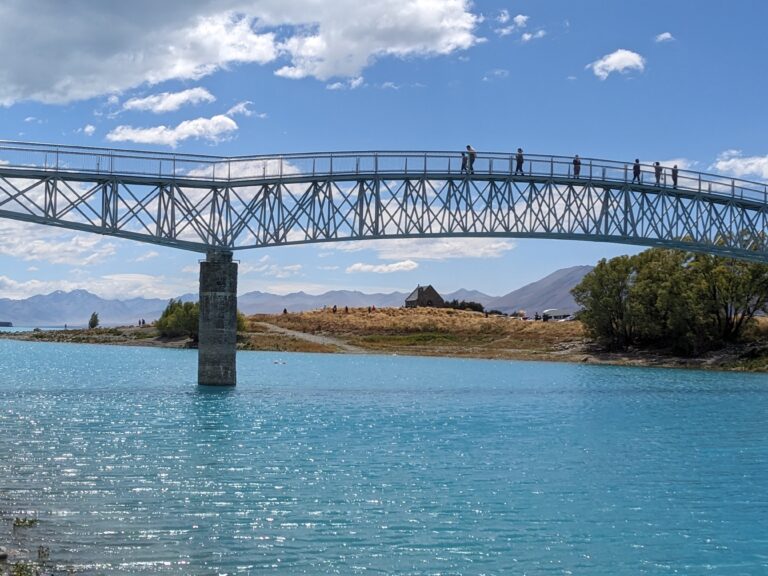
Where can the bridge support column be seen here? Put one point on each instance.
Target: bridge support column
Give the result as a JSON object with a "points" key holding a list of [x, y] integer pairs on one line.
{"points": [[217, 340]]}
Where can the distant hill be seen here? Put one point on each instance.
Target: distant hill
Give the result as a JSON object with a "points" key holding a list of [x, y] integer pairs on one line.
{"points": [[75, 308], [266, 303], [553, 291]]}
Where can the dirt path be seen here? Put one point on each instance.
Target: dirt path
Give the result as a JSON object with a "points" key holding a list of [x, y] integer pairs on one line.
{"points": [[325, 340]]}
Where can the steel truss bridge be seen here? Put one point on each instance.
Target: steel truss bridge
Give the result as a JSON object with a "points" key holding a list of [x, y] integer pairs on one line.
{"points": [[215, 204]]}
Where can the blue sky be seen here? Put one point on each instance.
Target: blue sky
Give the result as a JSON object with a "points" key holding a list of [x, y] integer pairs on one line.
{"points": [[669, 81]]}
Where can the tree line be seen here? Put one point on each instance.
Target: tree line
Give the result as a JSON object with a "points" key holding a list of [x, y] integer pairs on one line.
{"points": [[686, 302]]}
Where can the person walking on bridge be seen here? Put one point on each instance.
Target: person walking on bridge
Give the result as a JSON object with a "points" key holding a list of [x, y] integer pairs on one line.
{"points": [[472, 155], [519, 159], [657, 169], [674, 176], [636, 171], [576, 166]]}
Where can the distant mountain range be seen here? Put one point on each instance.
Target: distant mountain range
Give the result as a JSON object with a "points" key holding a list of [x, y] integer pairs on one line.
{"points": [[75, 308]]}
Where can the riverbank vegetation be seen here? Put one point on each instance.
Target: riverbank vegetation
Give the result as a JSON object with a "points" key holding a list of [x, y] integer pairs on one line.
{"points": [[673, 300]]}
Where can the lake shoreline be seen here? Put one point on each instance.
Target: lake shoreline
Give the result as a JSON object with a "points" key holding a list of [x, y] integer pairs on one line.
{"points": [[423, 332]]}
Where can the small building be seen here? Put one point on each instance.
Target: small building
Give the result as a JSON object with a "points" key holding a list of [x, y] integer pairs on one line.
{"points": [[556, 314], [424, 296]]}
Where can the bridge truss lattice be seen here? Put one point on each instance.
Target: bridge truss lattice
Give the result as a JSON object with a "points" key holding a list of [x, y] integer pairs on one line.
{"points": [[206, 203]]}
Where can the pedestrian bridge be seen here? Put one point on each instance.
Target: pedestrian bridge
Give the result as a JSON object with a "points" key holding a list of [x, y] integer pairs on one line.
{"points": [[216, 204]]}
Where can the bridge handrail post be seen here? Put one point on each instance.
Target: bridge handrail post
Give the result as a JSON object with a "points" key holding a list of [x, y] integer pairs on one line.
{"points": [[313, 167], [376, 163], [590, 169], [425, 162], [551, 166], [490, 166], [406, 164], [281, 167], [357, 164], [331, 164], [699, 182], [625, 172]]}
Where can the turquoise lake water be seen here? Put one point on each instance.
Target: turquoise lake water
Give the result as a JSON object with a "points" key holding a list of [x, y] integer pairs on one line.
{"points": [[344, 464]]}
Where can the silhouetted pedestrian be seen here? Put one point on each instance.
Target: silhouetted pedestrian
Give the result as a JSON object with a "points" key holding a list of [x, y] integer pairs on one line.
{"points": [[519, 159], [576, 166], [472, 155], [636, 171], [463, 163], [674, 176], [285, 310], [657, 172]]}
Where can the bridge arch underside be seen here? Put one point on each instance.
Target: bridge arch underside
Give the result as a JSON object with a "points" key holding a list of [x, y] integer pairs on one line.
{"points": [[207, 216]]}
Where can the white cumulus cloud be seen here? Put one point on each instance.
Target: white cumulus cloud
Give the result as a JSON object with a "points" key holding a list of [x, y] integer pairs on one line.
{"points": [[664, 37], [520, 20], [169, 101], [212, 129], [621, 61], [148, 42], [735, 163], [404, 266]]}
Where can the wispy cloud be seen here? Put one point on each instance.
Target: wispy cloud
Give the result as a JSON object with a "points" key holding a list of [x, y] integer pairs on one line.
{"points": [[350, 84], [518, 22], [664, 37], [528, 36], [169, 101], [241, 108], [496, 74], [403, 266], [52, 245], [622, 61], [147, 256], [430, 248]]}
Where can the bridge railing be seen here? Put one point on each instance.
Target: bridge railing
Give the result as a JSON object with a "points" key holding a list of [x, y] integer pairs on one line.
{"points": [[120, 162]]}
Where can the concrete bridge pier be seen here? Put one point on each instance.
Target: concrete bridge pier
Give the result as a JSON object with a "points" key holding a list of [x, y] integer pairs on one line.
{"points": [[217, 340]]}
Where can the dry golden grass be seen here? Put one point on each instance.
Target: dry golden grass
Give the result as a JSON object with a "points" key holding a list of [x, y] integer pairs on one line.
{"points": [[433, 331]]}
